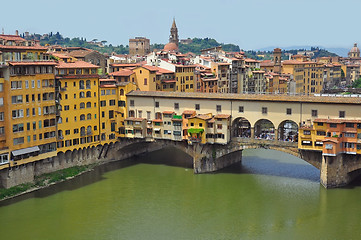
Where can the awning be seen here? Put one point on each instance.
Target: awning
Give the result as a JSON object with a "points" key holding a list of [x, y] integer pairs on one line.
{"points": [[25, 151], [156, 129]]}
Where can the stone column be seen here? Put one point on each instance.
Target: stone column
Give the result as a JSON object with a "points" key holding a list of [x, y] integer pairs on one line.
{"points": [[252, 132]]}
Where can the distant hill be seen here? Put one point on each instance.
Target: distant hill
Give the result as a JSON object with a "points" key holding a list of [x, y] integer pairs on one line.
{"points": [[197, 44], [342, 52]]}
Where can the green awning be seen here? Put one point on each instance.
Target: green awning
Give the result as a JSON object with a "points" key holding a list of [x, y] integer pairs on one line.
{"points": [[195, 130], [177, 117]]}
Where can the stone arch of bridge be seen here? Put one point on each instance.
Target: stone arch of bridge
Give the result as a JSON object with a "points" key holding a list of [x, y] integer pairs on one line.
{"points": [[287, 131]]}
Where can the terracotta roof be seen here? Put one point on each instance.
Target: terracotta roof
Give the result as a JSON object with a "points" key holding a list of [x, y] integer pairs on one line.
{"points": [[168, 112], [59, 55], [23, 47], [337, 120], [124, 64], [32, 63], [189, 112], [134, 119], [251, 60], [11, 37], [170, 47], [267, 63], [202, 116], [77, 64], [80, 53], [157, 120], [122, 73], [222, 116]]}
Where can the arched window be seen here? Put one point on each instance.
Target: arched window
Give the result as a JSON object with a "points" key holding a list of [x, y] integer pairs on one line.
{"points": [[131, 113], [87, 84], [89, 129], [82, 131], [88, 105], [82, 117], [82, 105], [103, 136], [60, 120], [81, 84], [81, 95], [88, 94], [88, 116], [121, 92]]}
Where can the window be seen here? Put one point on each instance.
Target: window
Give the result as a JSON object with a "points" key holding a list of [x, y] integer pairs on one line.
{"points": [[219, 126], [306, 132], [15, 114], [176, 106], [333, 125], [157, 104], [197, 107], [19, 140], [88, 84], [4, 158], [67, 132], [131, 103], [18, 127], [111, 102], [341, 114], [145, 81], [350, 125], [1, 116], [82, 105], [66, 107], [289, 111], [88, 116], [17, 99], [88, 105], [264, 110], [111, 114], [39, 84], [121, 92], [81, 84], [241, 109], [314, 113], [32, 83], [351, 135], [103, 114], [219, 108], [321, 133], [82, 117], [103, 103], [140, 113]]}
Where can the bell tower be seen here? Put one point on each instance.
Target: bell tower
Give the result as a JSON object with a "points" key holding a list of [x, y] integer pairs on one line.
{"points": [[173, 38], [277, 54]]}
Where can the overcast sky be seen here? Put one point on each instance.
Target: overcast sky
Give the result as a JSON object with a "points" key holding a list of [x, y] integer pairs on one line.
{"points": [[250, 24]]}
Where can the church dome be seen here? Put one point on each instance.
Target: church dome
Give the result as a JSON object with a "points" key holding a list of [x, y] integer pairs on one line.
{"points": [[170, 47], [355, 49]]}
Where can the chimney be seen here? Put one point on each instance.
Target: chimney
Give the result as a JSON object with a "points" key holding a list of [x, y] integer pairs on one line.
{"points": [[17, 33]]}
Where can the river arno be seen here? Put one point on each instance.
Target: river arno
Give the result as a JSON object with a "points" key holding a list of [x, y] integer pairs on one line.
{"points": [[272, 195]]}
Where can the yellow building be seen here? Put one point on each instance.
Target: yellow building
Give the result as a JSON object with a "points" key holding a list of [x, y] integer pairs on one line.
{"points": [[78, 118], [145, 77], [30, 120], [113, 108], [307, 75], [185, 78], [221, 70]]}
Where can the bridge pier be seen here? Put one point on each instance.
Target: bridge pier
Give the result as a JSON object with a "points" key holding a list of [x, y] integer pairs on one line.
{"points": [[339, 170]]}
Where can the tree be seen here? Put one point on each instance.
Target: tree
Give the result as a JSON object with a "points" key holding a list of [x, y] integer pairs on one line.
{"points": [[357, 83]]}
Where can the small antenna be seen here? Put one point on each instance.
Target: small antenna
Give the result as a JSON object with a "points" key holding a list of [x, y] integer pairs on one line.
{"points": [[3, 31]]}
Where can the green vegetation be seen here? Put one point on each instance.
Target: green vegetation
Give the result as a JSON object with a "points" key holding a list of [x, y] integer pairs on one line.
{"points": [[44, 180], [357, 83]]}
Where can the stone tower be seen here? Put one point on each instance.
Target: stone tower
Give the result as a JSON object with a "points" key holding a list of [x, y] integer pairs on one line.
{"points": [[277, 54], [173, 38]]}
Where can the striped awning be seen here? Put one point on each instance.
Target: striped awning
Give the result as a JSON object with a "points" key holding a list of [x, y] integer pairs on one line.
{"points": [[25, 151]]}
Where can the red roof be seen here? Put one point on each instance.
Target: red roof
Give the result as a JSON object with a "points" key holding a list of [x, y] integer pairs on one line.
{"points": [[77, 64], [11, 37], [30, 63], [222, 116], [23, 47], [122, 73], [168, 112]]}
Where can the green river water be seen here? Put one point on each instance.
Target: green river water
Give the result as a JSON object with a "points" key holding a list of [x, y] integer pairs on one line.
{"points": [[271, 195]]}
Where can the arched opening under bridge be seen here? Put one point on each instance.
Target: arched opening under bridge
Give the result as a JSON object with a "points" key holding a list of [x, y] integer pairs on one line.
{"points": [[241, 127], [264, 129], [288, 131]]}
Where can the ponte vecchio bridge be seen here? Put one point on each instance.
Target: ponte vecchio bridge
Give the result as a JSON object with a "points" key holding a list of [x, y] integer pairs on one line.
{"points": [[215, 128]]}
